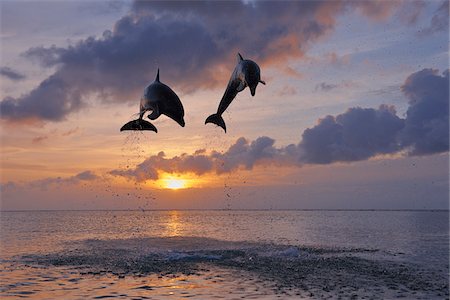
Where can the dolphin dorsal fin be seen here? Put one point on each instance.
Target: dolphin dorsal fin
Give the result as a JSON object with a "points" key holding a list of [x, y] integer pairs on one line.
{"points": [[157, 76], [239, 57]]}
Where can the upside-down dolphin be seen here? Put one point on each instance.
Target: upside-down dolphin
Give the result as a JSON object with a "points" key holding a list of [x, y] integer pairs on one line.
{"points": [[246, 73], [160, 99]]}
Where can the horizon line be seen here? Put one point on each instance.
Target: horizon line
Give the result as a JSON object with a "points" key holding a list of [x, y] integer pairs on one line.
{"points": [[226, 209]]}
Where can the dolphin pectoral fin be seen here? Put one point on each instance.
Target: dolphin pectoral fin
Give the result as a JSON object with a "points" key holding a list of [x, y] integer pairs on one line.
{"points": [[263, 82], [239, 57], [241, 87], [218, 120], [181, 122], [139, 124], [155, 113]]}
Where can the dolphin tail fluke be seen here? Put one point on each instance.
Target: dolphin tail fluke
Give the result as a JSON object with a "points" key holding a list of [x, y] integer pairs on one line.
{"points": [[218, 120], [139, 124]]}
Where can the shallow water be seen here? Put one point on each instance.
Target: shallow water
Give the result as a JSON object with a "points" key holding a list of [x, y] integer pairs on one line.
{"points": [[224, 254]]}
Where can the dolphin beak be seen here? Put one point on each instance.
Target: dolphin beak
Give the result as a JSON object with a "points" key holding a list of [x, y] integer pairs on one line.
{"points": [[253, 91]]}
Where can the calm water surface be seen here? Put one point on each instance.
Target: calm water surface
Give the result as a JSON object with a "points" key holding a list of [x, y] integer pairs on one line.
{"points": [[224, 254]]}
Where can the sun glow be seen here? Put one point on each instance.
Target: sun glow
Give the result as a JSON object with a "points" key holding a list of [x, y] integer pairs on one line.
{"points": [[174, 183], [178, 181]]}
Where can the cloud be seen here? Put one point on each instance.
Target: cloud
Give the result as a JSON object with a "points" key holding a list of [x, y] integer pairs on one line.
{"points": [[182, 38], [362, 133], [86, 176], [427, 124], [71, 131], [355, 135], [241, 155], [51, 101], [325, 87], [39, 139], [55, 134], [80, 177], [45, 183], [9, 186], [11, 74]]}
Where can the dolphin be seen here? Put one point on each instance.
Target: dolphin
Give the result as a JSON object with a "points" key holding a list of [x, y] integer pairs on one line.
{"points": [[160, 99], [246, 73]]}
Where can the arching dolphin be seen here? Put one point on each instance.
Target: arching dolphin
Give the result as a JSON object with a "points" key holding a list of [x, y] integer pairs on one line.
{"points": [[160, 99], [246, 73]]}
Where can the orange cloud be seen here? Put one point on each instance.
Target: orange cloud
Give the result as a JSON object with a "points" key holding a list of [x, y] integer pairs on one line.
{"points": [[241, 155]]}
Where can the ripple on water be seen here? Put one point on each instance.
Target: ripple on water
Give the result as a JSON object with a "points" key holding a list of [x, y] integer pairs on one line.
{"points": [[205, 268]]}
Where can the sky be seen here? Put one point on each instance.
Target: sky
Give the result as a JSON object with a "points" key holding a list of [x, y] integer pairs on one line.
{"points": [[354, 115]]}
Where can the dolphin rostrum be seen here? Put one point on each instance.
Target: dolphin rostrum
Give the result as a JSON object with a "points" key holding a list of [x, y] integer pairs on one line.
{"points": [[246, 73], [160, 99]]}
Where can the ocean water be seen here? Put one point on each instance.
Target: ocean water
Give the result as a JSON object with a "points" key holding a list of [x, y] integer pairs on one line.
{"points": [[224, 254]]}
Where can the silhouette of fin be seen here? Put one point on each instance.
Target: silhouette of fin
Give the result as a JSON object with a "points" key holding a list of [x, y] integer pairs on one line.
{"points": [[240, 87], [218, 120], [157, 76], [139, 124]]}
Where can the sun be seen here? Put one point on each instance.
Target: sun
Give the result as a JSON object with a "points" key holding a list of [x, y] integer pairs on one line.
{"points": [[175, 183]]}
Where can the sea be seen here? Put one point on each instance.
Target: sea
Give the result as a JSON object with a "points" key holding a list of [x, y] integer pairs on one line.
{"points": [[224, 254]]}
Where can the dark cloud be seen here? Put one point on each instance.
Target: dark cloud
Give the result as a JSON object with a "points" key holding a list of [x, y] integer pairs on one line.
{"points": [[355, 135], [52, 100], [427, 124], [362, 133], [194, 44], [11, 74]]}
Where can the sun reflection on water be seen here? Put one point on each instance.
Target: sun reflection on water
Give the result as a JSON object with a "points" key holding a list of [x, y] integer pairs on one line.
{"points": [[174, 225]]}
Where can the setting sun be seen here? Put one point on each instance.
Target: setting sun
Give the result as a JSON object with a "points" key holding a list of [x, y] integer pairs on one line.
{"points": [[175, 183]]}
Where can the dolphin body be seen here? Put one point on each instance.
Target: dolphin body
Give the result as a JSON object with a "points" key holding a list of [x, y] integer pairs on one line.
{"points": [[246, 73], [160, 99]]}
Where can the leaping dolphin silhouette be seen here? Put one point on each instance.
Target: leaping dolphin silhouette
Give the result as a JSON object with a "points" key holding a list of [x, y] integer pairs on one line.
{"points": [[160, 99], [246, 73]]}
